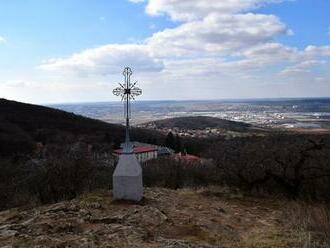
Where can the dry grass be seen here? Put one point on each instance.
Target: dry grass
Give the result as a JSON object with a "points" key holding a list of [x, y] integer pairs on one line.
{"points": [[310, 224], [267, 238], [207, 217]]}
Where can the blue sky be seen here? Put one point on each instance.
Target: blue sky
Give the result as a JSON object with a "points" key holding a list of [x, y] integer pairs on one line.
{"points": [[73, 50], [42, 29], [309, 19]]}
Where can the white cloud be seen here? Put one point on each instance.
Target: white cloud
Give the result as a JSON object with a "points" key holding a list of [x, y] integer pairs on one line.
{"points": [[109, 59], [2, 40], [136, 1], [303, 67], [270, 54], [313, 51], [220, 43], [217, 34], [213, 36], [15, 83], [188, 10]]}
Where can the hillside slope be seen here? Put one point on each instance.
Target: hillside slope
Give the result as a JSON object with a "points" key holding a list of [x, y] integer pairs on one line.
{"points": [[22, 125], [204, 218]]}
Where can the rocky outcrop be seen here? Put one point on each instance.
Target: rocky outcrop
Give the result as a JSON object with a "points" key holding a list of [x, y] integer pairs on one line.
{"points": [[165, 218]]}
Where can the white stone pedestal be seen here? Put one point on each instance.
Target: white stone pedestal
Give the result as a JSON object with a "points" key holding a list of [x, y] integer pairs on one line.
{"points": [[127, 179]]}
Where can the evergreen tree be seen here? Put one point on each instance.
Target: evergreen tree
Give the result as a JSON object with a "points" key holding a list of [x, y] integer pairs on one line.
{"points": [[178, 144], [107, 138], [116, 143], [170, 141]]}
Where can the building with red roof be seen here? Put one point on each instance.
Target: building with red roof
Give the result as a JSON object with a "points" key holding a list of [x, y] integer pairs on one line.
{"points": [[142, 153], [187, 158]]}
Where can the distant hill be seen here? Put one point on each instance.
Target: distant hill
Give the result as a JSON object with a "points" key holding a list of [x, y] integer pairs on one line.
{"points": [[22, 125], [201, 122]]}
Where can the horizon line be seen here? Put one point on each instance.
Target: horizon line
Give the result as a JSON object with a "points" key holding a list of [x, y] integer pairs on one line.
{"points": [[192, 100]]}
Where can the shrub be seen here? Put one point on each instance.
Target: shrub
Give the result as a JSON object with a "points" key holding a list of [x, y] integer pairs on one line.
{"points": [[170, 173]]}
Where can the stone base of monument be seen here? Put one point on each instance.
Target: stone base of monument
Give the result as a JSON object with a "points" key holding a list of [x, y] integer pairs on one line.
{"points": [[127, 179]]}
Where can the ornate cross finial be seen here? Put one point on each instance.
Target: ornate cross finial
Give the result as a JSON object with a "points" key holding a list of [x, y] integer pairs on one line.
{"points": [[127, 91]]}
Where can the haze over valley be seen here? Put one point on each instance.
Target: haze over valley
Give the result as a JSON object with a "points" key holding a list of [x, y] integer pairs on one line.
{"points": [[271, 113]]}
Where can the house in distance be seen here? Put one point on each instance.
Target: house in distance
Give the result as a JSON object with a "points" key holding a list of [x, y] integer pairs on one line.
{"points": [[145, 152]]}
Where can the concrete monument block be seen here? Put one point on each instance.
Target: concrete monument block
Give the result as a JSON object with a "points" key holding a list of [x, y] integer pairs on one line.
{"points": [[127, 179]]}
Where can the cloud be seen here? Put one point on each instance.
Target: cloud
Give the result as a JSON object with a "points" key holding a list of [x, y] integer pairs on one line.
{"points": [[188, 10], [313, 51], [222, 43], [217, 34], [136, 1], [2, 40], [15, 83], [302, 67], [109, 59], [210, 33], [269, 54]]}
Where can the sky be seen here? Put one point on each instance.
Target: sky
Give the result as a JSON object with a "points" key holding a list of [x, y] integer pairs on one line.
{"points": [[59, 51]]}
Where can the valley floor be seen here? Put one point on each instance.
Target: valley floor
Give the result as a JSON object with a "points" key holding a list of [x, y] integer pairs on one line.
{"points": [[166, 218]]}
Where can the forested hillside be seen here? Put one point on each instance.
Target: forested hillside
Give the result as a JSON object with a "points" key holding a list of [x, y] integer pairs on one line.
{"points": [[23, 125]]}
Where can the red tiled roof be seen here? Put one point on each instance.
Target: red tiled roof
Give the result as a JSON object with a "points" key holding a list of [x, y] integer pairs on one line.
{"points": [[139, 149], [187, 157]]}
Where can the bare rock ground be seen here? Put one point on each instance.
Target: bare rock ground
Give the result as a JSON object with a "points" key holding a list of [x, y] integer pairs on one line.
{"points": [[165, 218]]}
